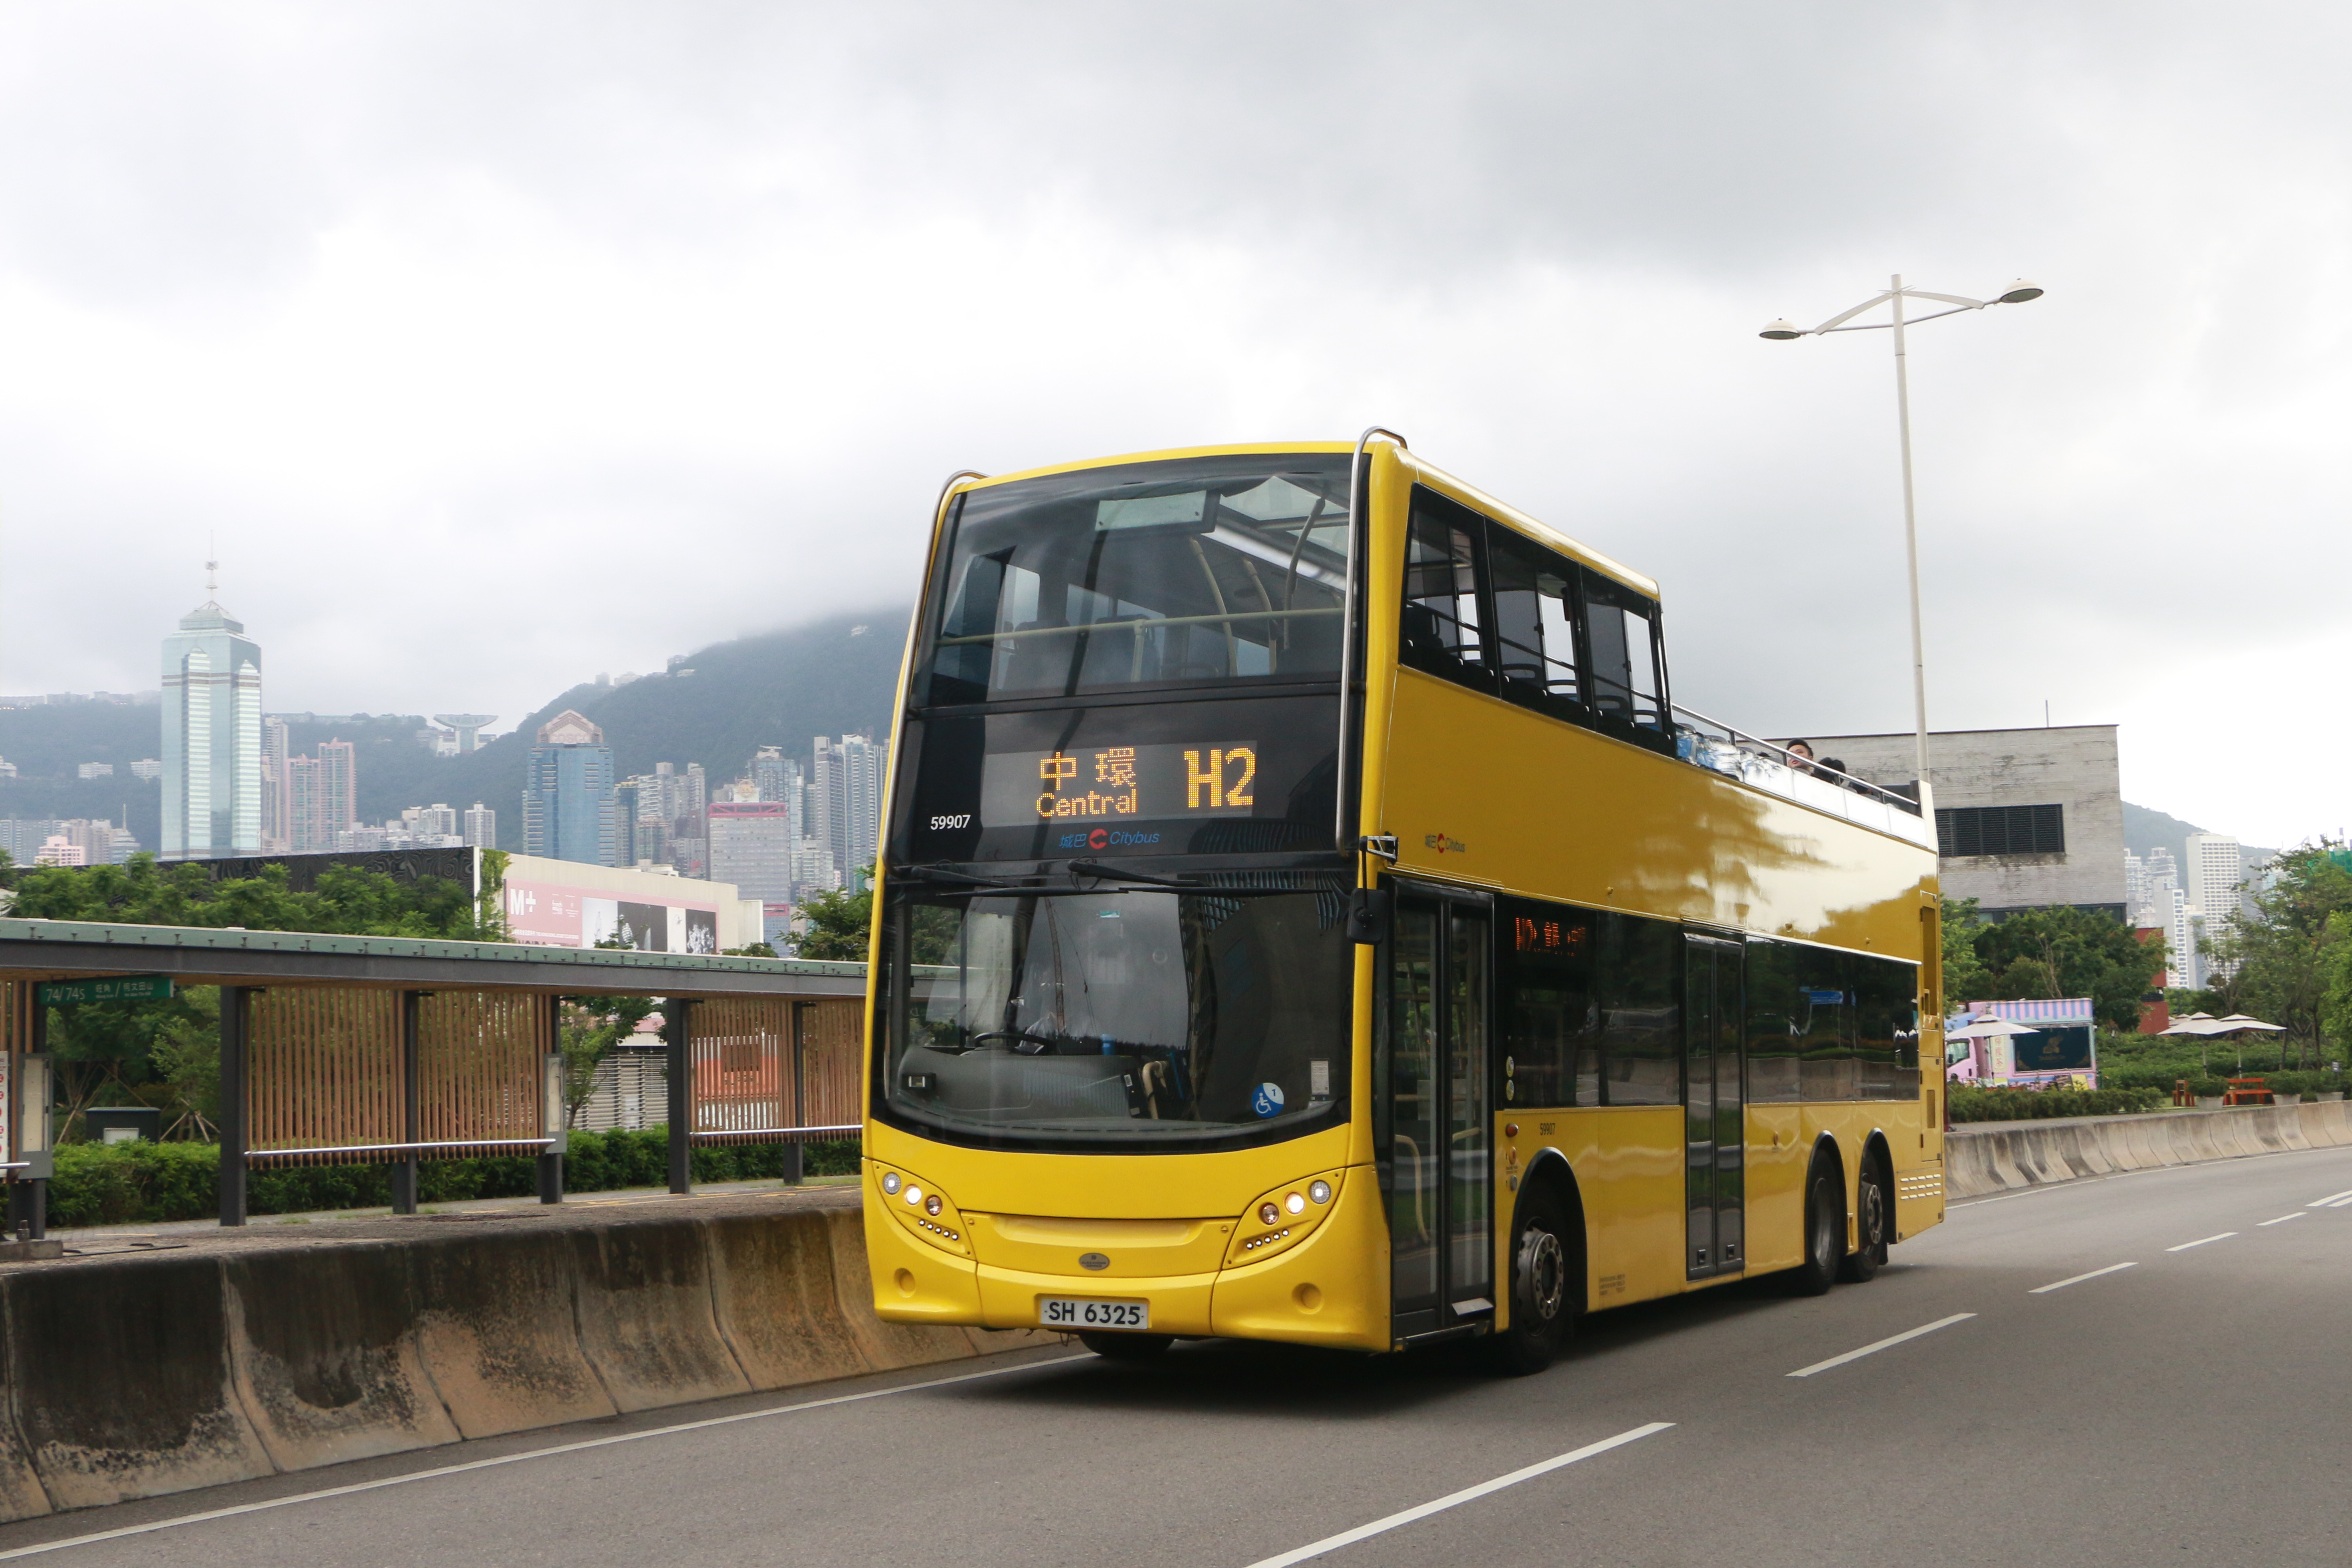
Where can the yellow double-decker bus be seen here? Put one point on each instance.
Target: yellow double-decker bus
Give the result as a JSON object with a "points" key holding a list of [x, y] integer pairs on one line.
{"points": [[1304, 915]]}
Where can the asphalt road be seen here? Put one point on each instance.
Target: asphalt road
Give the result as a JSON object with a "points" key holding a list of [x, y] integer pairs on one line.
{"points": [[2186, 1405]]}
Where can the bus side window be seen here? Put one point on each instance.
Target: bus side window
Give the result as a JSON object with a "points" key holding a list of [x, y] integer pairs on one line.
{"points": [[1628, 677], [1641, 996], [1886, 994], [1772, 1015], [1823, 1023], [1552, 1010], [1535, 624], [1443, 627]]}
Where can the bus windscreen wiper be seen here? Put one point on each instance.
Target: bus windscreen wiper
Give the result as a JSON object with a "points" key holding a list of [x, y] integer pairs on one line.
{"points": [[953, 879], [1101, 872]]}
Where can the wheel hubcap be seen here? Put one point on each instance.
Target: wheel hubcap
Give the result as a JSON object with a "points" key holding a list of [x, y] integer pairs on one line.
{"points": [[1542, 1273]]}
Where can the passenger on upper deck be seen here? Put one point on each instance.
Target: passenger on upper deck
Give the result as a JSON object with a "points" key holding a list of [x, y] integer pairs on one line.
{"points": [[1800, 757]]}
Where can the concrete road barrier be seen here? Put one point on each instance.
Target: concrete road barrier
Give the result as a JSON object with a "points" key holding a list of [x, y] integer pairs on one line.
{"points": [[248, 1356], [1981, 1161]]}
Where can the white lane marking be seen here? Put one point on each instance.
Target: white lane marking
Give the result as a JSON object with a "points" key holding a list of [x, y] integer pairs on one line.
{"points": [[2201, 1241], [2282, 1220], [2338, 1204], [439, 1472], [2077, 1279], [1455, 1500], [1882, 1344], [2330, 1198]]}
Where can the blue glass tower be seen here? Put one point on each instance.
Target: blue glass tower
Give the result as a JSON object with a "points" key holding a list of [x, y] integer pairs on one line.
{"points": [[211, 737], [571, 810]]}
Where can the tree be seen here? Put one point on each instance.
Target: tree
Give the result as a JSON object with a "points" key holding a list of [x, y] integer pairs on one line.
{"points": [[1965, 979], [2278, 962], [347, 901], [840, 922], [2067, 951]]}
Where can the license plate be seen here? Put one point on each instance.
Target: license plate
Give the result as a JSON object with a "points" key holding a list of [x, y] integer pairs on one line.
{"points": [[1070, 1313]]}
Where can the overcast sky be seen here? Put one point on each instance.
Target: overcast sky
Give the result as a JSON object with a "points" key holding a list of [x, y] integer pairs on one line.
{"points": [[501, 344]]}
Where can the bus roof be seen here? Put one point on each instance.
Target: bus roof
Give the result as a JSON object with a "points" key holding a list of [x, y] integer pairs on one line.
{"points": [[1435, 477]]}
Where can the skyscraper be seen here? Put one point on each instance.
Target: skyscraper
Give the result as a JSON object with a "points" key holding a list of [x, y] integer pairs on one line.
{"points": [[846, 800], [752, 847], [569, 808], [322, 797], [482, 826], [277, 750], [212, 736], [2217, 864]]}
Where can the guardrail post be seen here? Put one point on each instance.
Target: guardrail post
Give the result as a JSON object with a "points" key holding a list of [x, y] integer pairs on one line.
{"points": [[31, 1092], [551, 1107], [236, 1017], [403, 1171], [795, 1152], [678, 1062]]}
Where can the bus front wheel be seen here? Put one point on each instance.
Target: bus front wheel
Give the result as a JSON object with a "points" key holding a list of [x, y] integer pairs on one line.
{"points": [[1547, 1287], [1127, 1347]]}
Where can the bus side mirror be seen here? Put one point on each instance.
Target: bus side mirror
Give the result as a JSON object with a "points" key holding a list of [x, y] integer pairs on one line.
{"points": [[1368, 915]]}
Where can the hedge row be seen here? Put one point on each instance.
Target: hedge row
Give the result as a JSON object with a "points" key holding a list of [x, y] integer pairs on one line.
{"points": [[142, 1183], [2029, 1105]]}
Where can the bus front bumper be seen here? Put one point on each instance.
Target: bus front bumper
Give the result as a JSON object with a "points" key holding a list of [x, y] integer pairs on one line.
{"points": [[1328, 1289]]}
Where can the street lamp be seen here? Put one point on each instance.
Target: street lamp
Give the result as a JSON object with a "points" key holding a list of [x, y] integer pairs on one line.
{"points": [[1781, 331]]}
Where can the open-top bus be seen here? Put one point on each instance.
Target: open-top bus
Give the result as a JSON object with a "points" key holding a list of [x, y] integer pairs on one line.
{"points": [[1303, 914]]}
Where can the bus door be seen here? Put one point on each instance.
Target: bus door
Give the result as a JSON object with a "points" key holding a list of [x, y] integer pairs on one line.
{"points": [[1441, 1189], [1713, 1131]]}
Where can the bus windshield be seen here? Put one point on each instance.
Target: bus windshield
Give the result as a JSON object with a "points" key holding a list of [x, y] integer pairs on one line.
{"points": [[1125, 1019], [1193, 573]]}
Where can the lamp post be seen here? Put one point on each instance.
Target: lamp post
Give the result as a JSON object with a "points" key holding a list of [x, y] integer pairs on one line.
{"points": [[1892, 295]]}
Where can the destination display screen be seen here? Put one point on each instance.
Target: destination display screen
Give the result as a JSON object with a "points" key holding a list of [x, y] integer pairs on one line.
{"points": [[1110, 784], [1229, 776]]}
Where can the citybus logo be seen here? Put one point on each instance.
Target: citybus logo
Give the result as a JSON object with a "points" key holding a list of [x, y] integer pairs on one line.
{"points": [[1444, 846], [1104, 839]]}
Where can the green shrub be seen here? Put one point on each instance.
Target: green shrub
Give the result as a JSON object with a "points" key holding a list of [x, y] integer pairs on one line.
{"points": [[2209, 1088], [146, 1183], [2032, 1105]]}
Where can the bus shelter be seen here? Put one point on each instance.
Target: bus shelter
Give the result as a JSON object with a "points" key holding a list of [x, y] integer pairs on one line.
{"points": [[391, 1051]]}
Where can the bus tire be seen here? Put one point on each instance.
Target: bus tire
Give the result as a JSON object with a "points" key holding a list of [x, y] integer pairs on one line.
{"points": [[1546, 1285], [1874, 1219], [1127, 1347], [1825, 1233]]}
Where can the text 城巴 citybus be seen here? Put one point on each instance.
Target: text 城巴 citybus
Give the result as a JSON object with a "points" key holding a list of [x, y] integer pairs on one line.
{"points": [[1304, 915]]}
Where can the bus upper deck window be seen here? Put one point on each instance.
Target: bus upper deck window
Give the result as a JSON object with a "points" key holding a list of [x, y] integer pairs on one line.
{"points": [[1627, 682], [1441, 631], [1535, 620]]}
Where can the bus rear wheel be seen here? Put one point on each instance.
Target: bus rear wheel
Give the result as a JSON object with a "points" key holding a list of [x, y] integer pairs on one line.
{"points": [[1547, 1287], [1825, 1234], [1872, 1215], [1127, 1347]]}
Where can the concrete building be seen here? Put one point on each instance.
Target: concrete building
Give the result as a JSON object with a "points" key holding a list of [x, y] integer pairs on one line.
{"points": [[147, 768], [2024, 818], [568, 809], [211, 737], [481, 830], [752, 847], [96, 769], [563, 904]]}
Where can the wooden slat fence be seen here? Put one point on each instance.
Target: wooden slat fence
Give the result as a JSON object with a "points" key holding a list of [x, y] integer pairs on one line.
{"points": [[770, 1070]]}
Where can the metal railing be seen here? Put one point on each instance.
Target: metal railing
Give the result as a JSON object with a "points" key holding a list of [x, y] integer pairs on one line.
{"points": [[1720, 747]]}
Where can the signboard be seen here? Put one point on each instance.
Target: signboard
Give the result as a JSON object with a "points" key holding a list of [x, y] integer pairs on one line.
{"points": [[546, 914], [1117, 784], [128, 988], [2059, 1047]]}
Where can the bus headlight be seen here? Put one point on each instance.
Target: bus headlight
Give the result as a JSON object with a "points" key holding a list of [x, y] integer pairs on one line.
{"points": [[926, 1211], [1283, 1218]]}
